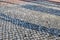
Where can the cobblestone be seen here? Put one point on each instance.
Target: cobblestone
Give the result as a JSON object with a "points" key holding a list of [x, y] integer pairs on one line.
{"points": [[18, 23]]}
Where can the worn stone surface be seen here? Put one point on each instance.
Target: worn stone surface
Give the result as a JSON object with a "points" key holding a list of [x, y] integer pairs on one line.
{"points": [[29, 21]]}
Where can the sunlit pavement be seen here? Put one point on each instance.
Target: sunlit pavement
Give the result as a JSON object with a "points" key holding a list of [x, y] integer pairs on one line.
{"points": [[30, 21]]}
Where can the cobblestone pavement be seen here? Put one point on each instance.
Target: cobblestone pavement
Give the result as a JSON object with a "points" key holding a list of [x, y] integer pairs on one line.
{"points": [[30, 21]]}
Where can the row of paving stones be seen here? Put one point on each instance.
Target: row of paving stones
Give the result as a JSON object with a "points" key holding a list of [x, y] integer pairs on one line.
{"points": [[15, 32]]}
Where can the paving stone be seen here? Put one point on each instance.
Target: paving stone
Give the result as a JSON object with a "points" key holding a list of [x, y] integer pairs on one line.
{"points": [[30, 21]]}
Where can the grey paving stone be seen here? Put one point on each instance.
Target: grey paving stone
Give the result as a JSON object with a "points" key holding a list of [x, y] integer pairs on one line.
{"points": [[18, 23]]}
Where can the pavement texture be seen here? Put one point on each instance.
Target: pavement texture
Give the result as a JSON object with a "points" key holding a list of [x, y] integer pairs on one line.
{"points": [[37, 20]]}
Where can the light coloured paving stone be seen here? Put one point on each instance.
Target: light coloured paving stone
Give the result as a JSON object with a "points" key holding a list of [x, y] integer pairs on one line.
{"points": [[11, 31], [42, 18], [27, 32]]}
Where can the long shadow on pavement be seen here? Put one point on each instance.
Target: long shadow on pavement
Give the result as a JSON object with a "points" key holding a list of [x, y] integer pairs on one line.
{"points": [[41, 9], [52, 31]]}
